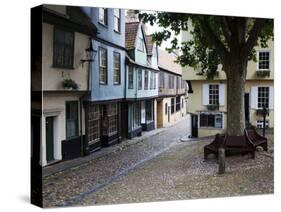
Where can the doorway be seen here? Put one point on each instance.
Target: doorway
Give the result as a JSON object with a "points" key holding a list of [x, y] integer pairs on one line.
{"points": [[246, 108], [50, 139]]}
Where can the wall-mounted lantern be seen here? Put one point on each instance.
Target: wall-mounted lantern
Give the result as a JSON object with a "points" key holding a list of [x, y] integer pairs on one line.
{"points": [[90, 54]]}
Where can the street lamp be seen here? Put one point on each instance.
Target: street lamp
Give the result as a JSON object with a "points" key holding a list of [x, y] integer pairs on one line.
{"points": [[264, 113], [90, 54]]}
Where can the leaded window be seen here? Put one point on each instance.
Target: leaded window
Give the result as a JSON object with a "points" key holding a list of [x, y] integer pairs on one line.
{"points": [[93, 124], [71, 119], [131, 77], [63, 48], [139, 79], [145, 79], [161, 80], [112, 118]]}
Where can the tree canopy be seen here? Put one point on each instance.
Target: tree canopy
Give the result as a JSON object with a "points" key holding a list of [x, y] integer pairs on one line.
{"points": [[215, 38]]}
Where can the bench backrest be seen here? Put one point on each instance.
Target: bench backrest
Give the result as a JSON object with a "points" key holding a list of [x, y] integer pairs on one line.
{"points": [[219, 141]]}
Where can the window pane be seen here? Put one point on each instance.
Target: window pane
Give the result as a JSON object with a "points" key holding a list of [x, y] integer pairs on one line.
{"points": [[63, 48], [103, 65], [264, 60], [103, 16], [146, 80], [139, 79], [131, 78], [71, 119], [116, 68]]}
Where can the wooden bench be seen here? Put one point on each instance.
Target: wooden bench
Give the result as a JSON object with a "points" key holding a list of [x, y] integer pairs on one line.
{"points": [[243, 144], [255, 139], [213, 147]]}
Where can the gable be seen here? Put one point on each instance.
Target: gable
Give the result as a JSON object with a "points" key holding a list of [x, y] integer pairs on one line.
{"points": [[140, 41]]}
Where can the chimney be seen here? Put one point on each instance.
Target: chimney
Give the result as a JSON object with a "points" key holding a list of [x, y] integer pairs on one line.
{"points": [[132, 16]]}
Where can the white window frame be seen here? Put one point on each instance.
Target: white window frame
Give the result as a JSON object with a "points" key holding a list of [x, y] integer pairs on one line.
{"points": [[259, 124], [117, 20], [258, 60], [116, 68], [267, 97], [214, 95], [103, 18], [212, 127]]}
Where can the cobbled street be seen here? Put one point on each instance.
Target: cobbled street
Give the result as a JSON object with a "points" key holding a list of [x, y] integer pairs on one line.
{"points": [[160, 167]]}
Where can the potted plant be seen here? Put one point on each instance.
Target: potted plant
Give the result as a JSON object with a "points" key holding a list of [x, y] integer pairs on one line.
{"points": [[264, 73], [69, 84]]}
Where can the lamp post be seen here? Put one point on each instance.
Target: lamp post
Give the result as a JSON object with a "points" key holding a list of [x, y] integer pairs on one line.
{"points": [[90, 57], [264, 113]]}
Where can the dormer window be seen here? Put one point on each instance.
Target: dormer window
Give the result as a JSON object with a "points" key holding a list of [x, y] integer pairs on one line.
{"points": [[140, 44], [103, 16]]}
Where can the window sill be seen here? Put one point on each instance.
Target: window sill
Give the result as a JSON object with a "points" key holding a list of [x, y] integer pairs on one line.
{"points": [[117, 83], [210, 128], [68, 139], [118, 32], [63, 67], [104, 25]]}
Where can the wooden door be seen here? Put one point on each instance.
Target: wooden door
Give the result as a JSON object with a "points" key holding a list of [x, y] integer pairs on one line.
{"points": [[49, 139]]}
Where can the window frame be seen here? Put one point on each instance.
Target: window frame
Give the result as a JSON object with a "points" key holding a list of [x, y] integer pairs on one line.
{"points": [[105, 16], [105, 67], [151, 80], [258, 60], [161, 80], [172, 105], [260, 105], [94, 128], [146, 77], [112, 117], [68, 137], [118, 18], [214, 98], [215, 118], [139, 79], [149, 110], [171, 82], [259, 124], [178, 103], [55, 43], [130, 77], [118, 82]]}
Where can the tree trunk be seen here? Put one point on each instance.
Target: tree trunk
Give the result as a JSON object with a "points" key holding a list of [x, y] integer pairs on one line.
{"points": [[236, 77]]}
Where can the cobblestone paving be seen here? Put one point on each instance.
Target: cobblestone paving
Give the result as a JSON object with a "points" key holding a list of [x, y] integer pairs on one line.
{"points": [[181, 173], [157, 169], [70, 186]]}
